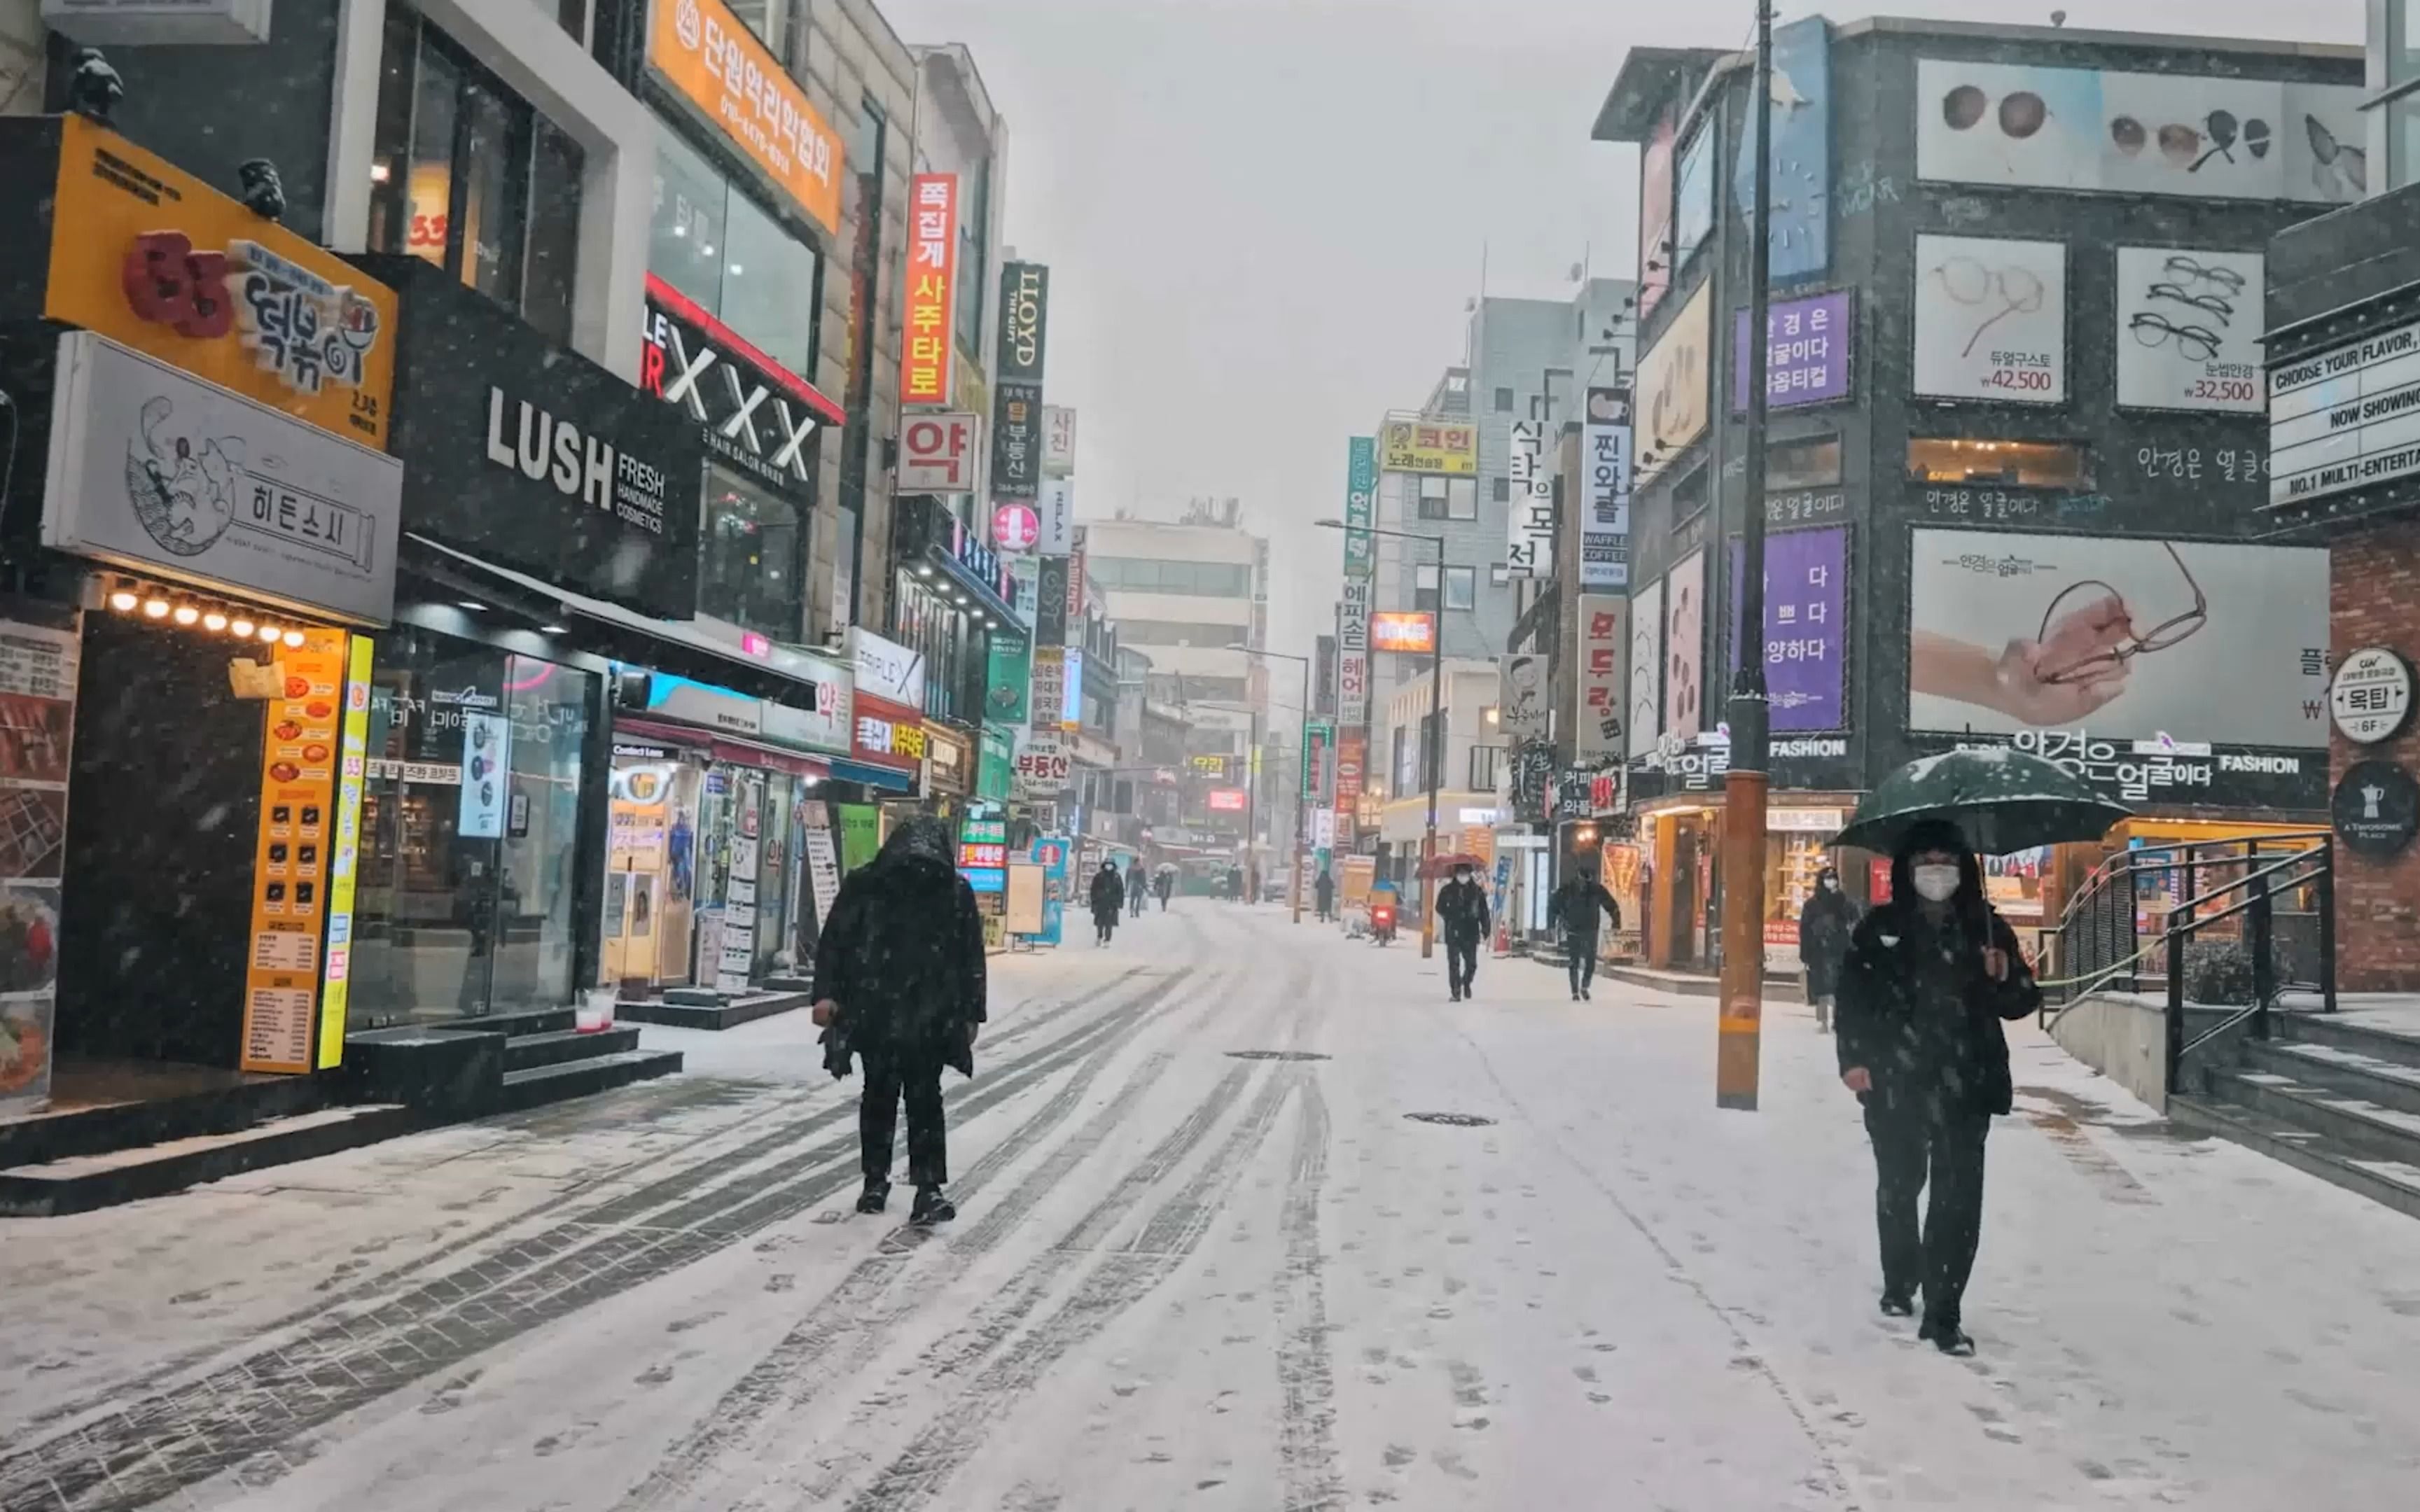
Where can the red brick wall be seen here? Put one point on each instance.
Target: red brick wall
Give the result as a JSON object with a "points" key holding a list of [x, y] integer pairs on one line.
{"points": [[2374, 593]]}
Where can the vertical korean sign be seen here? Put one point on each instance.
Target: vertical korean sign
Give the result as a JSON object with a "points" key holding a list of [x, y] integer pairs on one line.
{"points": [[1360, 566], [1529, 542], [290, 871], [1360, 507], [1604, 518], [926, 371], [1318, 760], [344, 864], [1323, 677], [1016, 381], [1597, 730], [38, 646]]}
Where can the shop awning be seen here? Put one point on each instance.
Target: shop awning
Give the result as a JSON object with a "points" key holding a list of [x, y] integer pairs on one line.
{"points": [[630, 636], [724, 747], [873, 777]]}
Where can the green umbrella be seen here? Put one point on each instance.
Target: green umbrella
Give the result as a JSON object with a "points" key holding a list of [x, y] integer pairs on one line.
{"points": [[2002, 800]]}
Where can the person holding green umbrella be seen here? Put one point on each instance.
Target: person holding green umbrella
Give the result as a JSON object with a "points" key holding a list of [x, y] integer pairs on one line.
{"points": [[1928, 976]]}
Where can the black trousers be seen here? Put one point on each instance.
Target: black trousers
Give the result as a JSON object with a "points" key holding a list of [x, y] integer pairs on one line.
{"points": [[1579, 959], [1461, 962], [1911, 1146], [889, 1079]]}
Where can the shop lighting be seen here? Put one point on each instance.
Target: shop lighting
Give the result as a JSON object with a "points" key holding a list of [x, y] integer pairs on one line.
{"points": [[924, 570], [240, 629], [554, 629], [269, 634], [214, 622], [292, 638], [155, 608], [186, 614], [471, 604], [123, 601], [381, 173]]}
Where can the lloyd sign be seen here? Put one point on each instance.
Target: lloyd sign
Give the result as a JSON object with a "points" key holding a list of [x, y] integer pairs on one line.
{"points": [[937, 453], [757, 414]]}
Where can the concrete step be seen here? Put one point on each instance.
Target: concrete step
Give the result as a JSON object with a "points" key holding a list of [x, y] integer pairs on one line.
{"points": [[555, 1046], [2393, 1183], [2369, 1129], [727, 1013], [541, 1085], [78, 1184], [2332, 1029], [2390, 1083]]}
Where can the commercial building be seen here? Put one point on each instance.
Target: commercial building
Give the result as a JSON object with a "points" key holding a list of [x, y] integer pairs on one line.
{"points": [[2014, 385], [2343, 324], [1184, 593]]}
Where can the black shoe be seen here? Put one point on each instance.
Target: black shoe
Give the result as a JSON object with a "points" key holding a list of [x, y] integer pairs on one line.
{"points": [[932, 1206], [1456, 995], [1948, 1338], [874, 1196], [1576, 997], [1586, 997], [1897, 1305]]}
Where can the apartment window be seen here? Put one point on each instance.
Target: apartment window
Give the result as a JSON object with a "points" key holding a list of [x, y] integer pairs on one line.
{"points": [[1504, 401], [469, 176], [1146, 574], [1483, 760], [1433, 497], [1462, 497], [1461, 587], [1808, 464], [1179, 633], [1503, 491], [2020, 464], [749, 557], [732, 257], [769, 19], [1424, 588]]}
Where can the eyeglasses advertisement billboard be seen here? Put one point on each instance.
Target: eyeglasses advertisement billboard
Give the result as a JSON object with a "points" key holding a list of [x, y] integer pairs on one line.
{"points": [[1990, 320], [2189, 330]]}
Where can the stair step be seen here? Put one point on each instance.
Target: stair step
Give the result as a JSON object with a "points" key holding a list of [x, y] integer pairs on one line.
{"points": [[579, 1078], [2393, 1183], [2372, 1131], [555, 1046], [2332, 1029], [2388, 1083], [528, 1021], [78, 1184]]}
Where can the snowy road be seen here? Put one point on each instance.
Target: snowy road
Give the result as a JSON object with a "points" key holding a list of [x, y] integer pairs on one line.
{"points": [[1198, 1269]]}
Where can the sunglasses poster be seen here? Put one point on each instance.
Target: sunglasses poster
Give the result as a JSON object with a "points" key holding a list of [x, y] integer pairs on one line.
{"points": [[2154, 134], [2124, 636], [1990, 320], [2189, 330]]}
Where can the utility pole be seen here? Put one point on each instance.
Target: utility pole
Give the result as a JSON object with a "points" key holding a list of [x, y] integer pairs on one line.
{"points": [[1739, 1023], [1436, 754]]}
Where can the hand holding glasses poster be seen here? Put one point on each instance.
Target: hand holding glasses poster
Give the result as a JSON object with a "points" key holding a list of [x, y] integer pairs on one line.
{"points": [[2124, 637], [1990, 320]]}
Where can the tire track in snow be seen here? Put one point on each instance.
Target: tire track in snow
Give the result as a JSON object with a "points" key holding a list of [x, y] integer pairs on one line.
{"points": [[159, 1443], [856, 1312], [1306, 1370]]}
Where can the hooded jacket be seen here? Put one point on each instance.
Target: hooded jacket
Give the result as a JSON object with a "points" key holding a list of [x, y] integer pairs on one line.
{"points": [[1109, 894], [1823, 928], [1916, 1007], [902, 955]]}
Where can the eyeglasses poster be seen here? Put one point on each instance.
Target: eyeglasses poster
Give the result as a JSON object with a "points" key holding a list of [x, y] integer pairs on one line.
{"points": [[2123, 636], [1646, 667], [2189, 329], [1990, 320], [1672, 407], [2142, 133], [1684, 646]]}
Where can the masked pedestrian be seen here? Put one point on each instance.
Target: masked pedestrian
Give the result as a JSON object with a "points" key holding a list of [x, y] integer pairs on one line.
{"points": [[1108, 900], [1462, 917], [1823, 928], [1928, 976], [900, 984], [1323, 891], [1575, 907]]}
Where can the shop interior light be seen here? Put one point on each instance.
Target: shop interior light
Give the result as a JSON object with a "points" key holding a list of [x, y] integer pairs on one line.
{"points": [[214, 622], [155, 608], [123, 601], [556, 629], [381, 173], [242, 630], [471, 604], [186, 614], [923, 569], [292, 638], [269, 634]]}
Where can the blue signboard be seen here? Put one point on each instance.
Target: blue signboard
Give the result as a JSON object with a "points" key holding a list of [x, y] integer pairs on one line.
{"points": [[1052, 852], [1801, 155]]}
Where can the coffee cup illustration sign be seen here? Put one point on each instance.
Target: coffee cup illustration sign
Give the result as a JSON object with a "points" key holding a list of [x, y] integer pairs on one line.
{"points": [[2377, 808]]}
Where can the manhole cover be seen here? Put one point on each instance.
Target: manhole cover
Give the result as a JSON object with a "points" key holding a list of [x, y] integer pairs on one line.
{"points": [[1275, 1054], [1452, 1121]]}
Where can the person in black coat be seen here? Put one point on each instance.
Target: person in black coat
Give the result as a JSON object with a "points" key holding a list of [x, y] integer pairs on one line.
{"points": [[1575, 907], [1462, 918], [1823, 927], [1323, 891], [1928, 976], [1108, 900], [1164, 883], [900, 982]]}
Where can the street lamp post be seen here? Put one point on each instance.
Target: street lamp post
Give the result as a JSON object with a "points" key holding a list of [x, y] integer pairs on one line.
{"points": [[1303, 780], [1432, 748]]}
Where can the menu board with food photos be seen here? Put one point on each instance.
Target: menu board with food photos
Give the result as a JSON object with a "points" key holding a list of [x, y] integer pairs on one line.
{"points": [[37, 688], [292, 865]]}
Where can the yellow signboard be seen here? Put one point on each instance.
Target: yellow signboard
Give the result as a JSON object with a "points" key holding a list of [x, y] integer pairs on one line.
{"points": [[153, 258], [1430, 446], [344, 863], [710, 55], [291, 871]]}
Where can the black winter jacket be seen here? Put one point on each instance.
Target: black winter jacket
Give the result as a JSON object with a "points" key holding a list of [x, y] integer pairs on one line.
{"points": [[901, 956], [1920, 1012], [1462, 911]]}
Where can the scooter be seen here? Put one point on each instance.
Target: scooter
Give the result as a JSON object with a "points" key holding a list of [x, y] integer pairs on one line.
{"points": [[1382, 922]]}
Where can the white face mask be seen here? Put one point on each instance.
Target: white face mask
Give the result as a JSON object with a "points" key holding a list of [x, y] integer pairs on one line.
{"points": [[1936, 883], [1831, 884]]}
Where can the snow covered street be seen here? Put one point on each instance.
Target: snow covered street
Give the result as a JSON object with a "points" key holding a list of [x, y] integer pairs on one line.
{"points": [[1207, 1258]]}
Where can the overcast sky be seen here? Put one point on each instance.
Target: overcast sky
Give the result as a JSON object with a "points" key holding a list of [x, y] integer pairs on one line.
{"points": [[1262, 217]]}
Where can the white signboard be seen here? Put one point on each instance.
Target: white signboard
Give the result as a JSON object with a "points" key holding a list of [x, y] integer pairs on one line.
{"points": [[939, 452], [824, 727], [1646, 668], [154, 468], [1525, 710], [886, 669], [2346, 418], [1057, 441], [1055, 503], [2022, 125], [736, 947], [1353, 654], [486, 775], [823, 859], [1990, 320], [1605, 520], [1529, 544], [1596, 728], [2371, 694], [2189, 329], [1044, 764]]}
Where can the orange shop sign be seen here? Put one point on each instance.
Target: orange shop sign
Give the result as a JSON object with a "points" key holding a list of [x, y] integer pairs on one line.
{"points": [[708, 55], [153, 258], [925, 366]]}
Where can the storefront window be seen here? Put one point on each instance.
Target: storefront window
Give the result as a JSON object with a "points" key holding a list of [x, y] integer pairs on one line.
{"points": [[2020, 464], [429, 191], [736, 260], [930, 624], [495, 146], [750, 556]]}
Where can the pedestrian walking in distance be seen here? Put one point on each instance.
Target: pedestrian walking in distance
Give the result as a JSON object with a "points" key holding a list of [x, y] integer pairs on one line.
{"points": [[1165, 884], [1574, 907], [1135, 892], [1928, 976], [899, 982], [1109, 901], [1462, 915], [1823, 928], [1323, 892]]}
